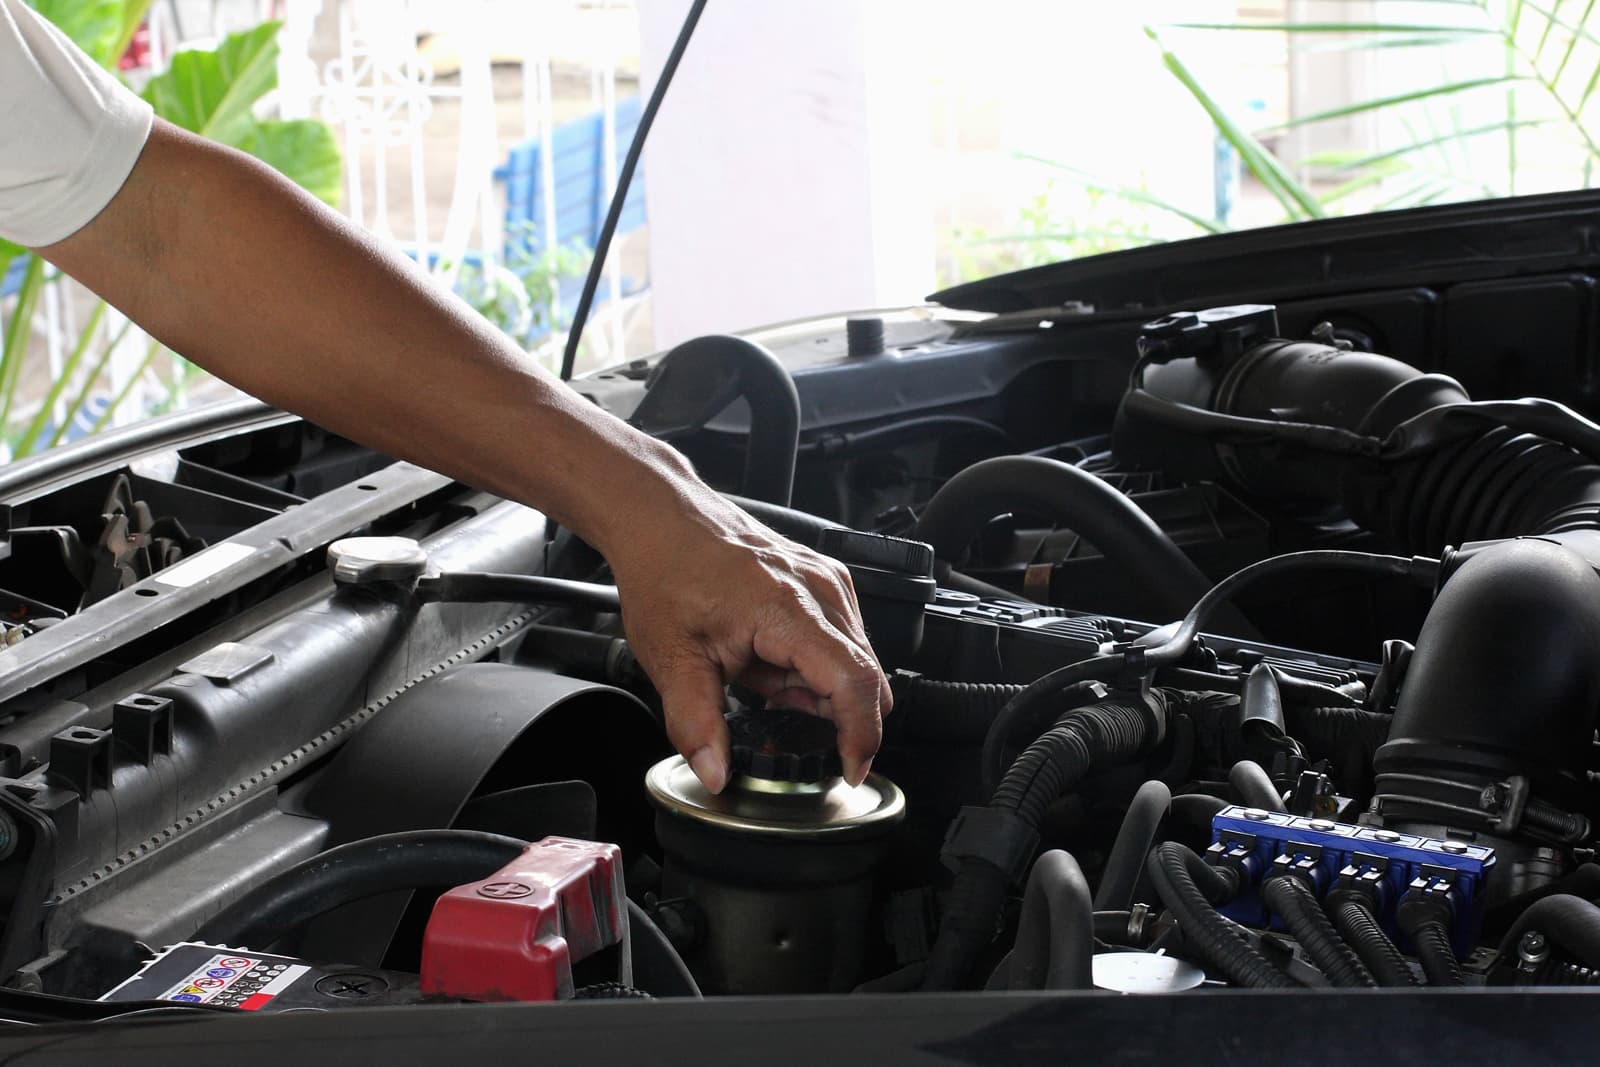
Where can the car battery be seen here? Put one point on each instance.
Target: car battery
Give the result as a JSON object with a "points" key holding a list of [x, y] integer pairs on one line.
{"points": [[247, 980]]}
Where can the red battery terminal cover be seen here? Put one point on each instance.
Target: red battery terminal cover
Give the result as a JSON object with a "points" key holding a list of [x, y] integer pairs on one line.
{"points": [[516, 934]]}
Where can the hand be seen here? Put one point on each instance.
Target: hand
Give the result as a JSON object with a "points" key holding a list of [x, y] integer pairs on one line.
{"points": [[712, 597]]}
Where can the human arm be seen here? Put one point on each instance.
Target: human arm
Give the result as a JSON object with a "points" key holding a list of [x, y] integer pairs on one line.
{"points": [[228, 263]]}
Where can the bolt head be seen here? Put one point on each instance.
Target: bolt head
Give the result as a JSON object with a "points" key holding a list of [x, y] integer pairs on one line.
{"points": [[1455, 848], [1322, 824], [1387, 836], [1257, 815]]}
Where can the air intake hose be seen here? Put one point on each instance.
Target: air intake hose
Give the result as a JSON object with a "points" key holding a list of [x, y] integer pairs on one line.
{"points": [[1407, 454]]}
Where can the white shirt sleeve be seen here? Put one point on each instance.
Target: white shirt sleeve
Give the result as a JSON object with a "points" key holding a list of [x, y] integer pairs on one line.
{"points": [[70, 132]]}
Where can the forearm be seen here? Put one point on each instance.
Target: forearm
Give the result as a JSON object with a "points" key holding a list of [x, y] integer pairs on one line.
{"points": [[233, 267]]}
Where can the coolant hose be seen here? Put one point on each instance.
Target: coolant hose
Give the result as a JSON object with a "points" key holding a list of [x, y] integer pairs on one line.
{"points": [[415, 859], [1055, 935], [1087, 738], [700, 377], [1291, 900], [1073, 498], [1361, 931], [1571, 923], [932, 710], [1254, 787], [1191, 889], [1134, 838]]}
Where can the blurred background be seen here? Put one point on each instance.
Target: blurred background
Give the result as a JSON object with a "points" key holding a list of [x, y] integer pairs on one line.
{"points": [[810, 158]]}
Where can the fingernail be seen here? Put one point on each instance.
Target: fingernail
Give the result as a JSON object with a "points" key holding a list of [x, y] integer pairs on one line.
{"points": [[709, 769], [861, 771]]}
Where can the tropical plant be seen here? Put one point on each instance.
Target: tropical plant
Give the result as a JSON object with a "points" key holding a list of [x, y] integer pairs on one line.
{"points": [[212, 93], [1516, 81]]}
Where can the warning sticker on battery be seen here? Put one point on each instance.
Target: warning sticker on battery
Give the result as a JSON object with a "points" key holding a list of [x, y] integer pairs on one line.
{"points": [[235, 981]]}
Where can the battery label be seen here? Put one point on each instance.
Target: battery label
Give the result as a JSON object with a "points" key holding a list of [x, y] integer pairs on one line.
{"points": [[232, 980]]}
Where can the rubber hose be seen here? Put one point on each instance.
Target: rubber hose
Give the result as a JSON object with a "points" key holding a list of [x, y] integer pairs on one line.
{"points": [[1291, 900], [1570, 922], [1190, 889], [1361, 931], [1197, 809], [1345, 735], [800, 527], [1438, 959], [1055, 935], [946, 711], [701, 377], [1254, 786], [1134, 838], [1094, 736], [415, 859], [1061, 493]]}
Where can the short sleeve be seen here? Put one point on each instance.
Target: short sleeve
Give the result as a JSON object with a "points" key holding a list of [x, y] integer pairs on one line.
{"points": [[70, 132]]}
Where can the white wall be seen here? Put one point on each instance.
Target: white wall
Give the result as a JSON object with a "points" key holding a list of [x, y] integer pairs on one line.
{"points": [[786, 174]]}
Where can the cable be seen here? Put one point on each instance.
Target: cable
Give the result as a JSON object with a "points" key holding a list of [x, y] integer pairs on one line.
{"points": [[608, 229], [1353, 916], [1191, 890], [1292, 900], [1142, 659]]}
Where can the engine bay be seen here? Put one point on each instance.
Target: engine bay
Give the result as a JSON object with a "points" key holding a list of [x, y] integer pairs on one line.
{"points": [[1243, 628]]}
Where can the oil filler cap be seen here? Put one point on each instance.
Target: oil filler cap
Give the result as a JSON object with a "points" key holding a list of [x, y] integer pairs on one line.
{"points": [[783, 745]]}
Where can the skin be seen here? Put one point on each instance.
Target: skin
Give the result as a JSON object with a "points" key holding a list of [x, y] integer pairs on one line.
{"points": [[224, 260]]}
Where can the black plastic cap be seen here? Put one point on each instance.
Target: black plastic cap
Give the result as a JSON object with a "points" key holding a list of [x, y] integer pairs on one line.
{"points": [[896, 554], [784, 745]]}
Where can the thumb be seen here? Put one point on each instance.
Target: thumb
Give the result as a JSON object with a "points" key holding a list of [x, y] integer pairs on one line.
{"points": [[691, 702]]}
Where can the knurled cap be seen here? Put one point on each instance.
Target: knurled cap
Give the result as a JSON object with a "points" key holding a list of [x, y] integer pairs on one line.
{"points": [[783, 745]]}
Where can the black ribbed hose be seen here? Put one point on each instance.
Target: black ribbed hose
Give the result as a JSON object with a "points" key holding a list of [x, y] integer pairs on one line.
{"points": [[946, 711], [1191, 889], [1134, 838], [1291, 900], [1086, 738], [1432, 942], [1356, 924]]}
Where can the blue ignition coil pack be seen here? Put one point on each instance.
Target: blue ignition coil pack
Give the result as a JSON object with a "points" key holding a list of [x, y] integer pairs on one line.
{"points": [[1387, 864]]}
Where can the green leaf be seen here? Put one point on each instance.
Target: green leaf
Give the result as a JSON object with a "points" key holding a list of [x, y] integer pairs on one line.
{"points": [[1296, 199], [9, 252], [1137, 196], [211, 93], [304, 150], [93, 25], [1334, 27], [1402, 98]]}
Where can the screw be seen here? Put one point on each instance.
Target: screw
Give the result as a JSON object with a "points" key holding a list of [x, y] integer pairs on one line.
{"points": [[504, 890], [352, 986], [1257, 815], [1387, 836], [1322, 824], [1493, 797], [1455, 848], [1533, 949]]}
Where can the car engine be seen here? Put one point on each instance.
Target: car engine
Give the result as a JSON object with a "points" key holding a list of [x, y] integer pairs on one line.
{"points": [[1233, 644]]}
